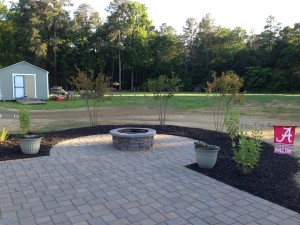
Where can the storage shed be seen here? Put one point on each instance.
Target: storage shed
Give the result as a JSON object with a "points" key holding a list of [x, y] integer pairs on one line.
{"points": [[23, 80]]}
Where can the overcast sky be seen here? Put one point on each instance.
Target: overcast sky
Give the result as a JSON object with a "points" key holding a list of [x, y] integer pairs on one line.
{"points": [[227, 13]]}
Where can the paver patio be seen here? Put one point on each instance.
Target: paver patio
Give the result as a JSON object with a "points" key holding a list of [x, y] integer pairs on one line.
{"points": [[86, 181]]}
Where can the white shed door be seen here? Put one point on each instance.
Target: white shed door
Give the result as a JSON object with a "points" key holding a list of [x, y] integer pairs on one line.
{"points": [[19, 86]]}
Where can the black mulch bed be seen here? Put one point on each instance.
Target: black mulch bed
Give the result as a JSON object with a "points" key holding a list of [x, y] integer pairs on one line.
{"points": [[271, 180]]}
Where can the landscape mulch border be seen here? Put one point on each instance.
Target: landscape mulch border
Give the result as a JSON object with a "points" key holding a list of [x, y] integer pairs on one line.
{"points": [[272, 179]]}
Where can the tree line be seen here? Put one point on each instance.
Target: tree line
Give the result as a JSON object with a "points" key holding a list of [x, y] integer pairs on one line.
{"points": [[129, 49]]}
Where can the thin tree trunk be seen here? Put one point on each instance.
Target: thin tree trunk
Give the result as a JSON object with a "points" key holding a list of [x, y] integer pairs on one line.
{"points": [[113, 68], [55, 55], [120, 67], [120, 74], [132, 79]]}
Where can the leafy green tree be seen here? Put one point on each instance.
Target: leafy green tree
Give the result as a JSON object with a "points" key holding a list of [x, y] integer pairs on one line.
{"points": [[189, 35], [3, 9], [85, 24], [115, 27], [128, 46], [166, 29], [94, 90], [19, 16], [105, 51], [243, 59], [223, 94], [86, 19], [40, 23], [286, 59], [8, 53], [215, 49], [129, 25], [204, 42], [258, 78], [163, 88], [269, 35], [167, 53], [137, 52]]}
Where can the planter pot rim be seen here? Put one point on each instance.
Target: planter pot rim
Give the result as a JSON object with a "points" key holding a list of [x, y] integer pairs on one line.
{"points": [[207, 150], [29, 137]]}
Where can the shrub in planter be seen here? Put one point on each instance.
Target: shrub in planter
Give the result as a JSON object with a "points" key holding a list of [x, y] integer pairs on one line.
{"points": [[206, 154], [29, 142]]}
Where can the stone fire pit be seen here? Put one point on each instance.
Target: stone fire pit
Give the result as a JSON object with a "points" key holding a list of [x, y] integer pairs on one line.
{"points": [[132, 138]]}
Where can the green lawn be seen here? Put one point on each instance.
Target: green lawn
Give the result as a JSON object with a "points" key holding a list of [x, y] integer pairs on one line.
{"points": [[179, 101]]}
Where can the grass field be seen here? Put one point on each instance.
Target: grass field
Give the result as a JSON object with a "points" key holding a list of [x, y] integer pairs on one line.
{"points": [[275, 105]]}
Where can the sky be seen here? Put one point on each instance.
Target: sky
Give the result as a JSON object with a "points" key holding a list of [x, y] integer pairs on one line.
{"points": [[248, 14]]}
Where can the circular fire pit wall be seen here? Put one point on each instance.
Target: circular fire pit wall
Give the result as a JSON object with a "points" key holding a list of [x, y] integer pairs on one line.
{"points": [[133, 139]]}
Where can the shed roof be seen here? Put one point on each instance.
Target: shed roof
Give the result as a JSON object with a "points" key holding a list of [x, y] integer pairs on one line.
{"points": [[23, 62]]}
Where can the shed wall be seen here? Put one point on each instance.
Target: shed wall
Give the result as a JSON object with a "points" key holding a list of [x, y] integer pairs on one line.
{"points": [[6, 80]]}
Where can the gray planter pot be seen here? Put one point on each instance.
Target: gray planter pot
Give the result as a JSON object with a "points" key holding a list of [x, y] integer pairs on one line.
{"points": [[30, 145], [206, 158]]}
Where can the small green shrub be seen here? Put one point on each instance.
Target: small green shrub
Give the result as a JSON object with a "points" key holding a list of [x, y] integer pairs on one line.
{"points": [[248, 154], [232, 124], [24, 119], [246, 148], [3, 135]]}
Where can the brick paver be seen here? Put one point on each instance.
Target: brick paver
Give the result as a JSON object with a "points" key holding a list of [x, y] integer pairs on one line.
{"points": [[87, 181]]}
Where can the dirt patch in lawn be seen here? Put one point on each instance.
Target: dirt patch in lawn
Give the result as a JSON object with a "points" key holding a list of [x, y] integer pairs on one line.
{"points": [[53, 120]]}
